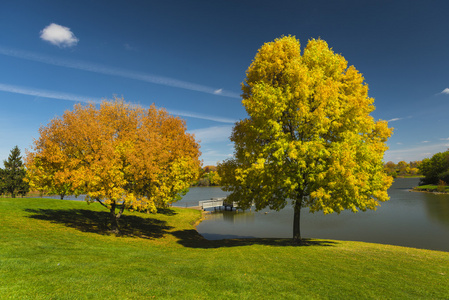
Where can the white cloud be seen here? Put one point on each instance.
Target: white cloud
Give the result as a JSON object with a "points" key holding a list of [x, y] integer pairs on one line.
{"points": [[394, 119], [95, 68], [212, 157], [212, 140], [445, 91], [58, 35], [213, 153], [444, 139], [218, 92], [213, 134], [425, 142], [414, 153]]}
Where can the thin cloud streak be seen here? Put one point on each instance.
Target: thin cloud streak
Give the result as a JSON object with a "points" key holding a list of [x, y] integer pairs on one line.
{"points": [[213, 134], [394, 119], [77, 98], [416, 153], [399, 119], [95, 68], [445, 91], [47, 94], [200, 116], [427, 149]]}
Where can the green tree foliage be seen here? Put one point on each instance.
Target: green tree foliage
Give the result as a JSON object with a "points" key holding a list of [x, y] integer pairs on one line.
{"points": [[402, 168], [390, 168], [13, 174], [2, 182], [435, 168], [208, 177], [309, 138]]}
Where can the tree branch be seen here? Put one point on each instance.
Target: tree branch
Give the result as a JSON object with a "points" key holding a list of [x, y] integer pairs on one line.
{"points": [[98, 200]]}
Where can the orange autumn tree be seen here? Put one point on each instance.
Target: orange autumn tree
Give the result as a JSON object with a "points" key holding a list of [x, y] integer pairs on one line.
{"points": [[122, 156]]}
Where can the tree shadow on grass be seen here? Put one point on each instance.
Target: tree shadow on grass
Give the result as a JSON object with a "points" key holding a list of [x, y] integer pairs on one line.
{"points": [[99, 222], [166, 211], [192, 239]]}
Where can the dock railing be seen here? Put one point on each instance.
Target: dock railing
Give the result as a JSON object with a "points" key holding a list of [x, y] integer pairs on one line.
{"points": [[214, 202], [217, 202]]}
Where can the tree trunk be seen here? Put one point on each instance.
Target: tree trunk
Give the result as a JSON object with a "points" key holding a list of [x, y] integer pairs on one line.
{"points": [[296, 222], [114, 222]]}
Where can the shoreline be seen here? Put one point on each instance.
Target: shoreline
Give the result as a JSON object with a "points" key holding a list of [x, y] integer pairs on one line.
{"points": [[430, 192], [431, 188]]}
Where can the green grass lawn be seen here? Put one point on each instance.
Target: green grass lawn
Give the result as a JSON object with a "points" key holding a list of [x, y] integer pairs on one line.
{"points": [[53, 249]]}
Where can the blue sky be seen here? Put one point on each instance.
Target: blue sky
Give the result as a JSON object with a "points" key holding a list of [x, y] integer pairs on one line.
{"points": [[191, 56]]}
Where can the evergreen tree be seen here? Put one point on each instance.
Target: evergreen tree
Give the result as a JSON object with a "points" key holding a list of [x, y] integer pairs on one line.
{"points": [[2, 181], [14, 173]]}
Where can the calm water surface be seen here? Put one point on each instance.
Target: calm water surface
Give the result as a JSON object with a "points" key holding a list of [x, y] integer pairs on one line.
{"points": [[411, 219]]}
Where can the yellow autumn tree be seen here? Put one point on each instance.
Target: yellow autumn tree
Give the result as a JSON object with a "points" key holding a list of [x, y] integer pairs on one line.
{"points": [[122, 156], [47, 169], [309, 138]]}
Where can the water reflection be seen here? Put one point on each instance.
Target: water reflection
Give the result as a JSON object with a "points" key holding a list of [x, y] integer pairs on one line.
{"points": [[232, 216], [437, 207], [410, 219]]}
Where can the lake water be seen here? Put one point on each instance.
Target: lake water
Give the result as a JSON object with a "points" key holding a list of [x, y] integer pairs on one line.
{"points": [[411, 219]]}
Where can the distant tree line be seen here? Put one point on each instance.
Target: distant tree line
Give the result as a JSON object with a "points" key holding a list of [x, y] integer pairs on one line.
{"points": [[403, 168], [435, 169], [13, 174], [208, 177]]}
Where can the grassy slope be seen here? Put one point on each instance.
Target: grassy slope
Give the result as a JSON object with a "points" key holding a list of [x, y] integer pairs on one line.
{"points": [[62, 249]]}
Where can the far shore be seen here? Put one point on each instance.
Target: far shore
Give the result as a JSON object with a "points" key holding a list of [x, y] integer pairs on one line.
{"points": [[433, 189]]}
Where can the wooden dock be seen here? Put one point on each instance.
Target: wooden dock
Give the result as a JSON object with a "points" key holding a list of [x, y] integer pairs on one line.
{"points": [[217, 203]]}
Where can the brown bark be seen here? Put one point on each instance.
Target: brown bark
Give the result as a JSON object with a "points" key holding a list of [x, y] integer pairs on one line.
{"points": [[114, 220], [296, 221]]}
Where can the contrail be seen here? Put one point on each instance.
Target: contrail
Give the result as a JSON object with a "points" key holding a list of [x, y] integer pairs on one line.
{"points": [[96, 68], [47, 94], [201, 116], [77, 98]]}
